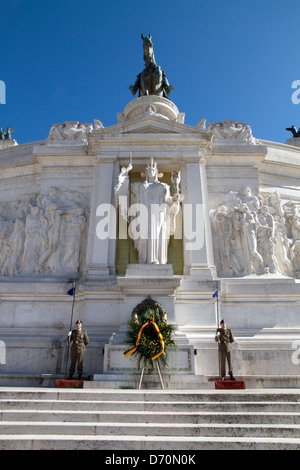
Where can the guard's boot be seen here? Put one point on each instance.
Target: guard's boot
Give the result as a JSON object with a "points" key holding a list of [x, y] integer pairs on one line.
{"points": [[231, 377]]}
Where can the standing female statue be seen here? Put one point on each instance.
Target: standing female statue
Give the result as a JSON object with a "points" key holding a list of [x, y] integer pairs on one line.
{"points": [[156, 208]]}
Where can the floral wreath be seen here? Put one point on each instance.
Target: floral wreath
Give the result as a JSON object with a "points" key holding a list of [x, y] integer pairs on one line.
{"points": [[149, 333]]}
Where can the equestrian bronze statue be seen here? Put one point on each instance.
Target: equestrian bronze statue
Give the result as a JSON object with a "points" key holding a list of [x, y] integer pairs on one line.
{"points": [[152, 80]]}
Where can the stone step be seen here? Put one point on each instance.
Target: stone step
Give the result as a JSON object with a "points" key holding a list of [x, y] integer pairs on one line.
{"points": [[151, 429], [115, 381], [254, 417], [93, 405], [140, 443], [271, 395], [66, 419]]}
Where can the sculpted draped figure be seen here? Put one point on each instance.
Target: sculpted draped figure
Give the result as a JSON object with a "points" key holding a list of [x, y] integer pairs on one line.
{"points": [[256, 234], [155, 210]]}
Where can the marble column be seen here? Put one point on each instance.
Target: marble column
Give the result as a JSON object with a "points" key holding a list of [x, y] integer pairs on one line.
{"points": [[102, 228], [198, 248]]}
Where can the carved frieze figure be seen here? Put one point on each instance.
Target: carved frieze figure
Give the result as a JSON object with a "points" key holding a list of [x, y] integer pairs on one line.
{"points": [[157, 210], [43, 234], [50, 258], [296, 258], [245, 224], [292, 218], [35, 241], [152, 80], [256, 234], [15, 246], [226, 131], [75, 221], [265, 237], [71, 132]]}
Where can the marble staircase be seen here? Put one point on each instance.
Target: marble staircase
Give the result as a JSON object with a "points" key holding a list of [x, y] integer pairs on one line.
{"points": [[33, 418]]}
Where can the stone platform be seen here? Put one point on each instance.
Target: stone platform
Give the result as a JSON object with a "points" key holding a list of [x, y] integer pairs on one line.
{"points": [[69, 383], [151, 381], [230, 385]]}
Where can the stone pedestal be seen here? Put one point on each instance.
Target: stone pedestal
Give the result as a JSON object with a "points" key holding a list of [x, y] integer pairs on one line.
{"points": [[230, 385], [293, 141], [155, 280], [69, 383], [121, 371], [159, 282], [7, 143], [180, 360]]}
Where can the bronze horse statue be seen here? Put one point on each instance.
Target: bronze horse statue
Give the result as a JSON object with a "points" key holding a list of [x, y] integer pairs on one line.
{"points": [[152, 80]]}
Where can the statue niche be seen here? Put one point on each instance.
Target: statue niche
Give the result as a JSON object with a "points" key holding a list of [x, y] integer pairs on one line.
{"points": [[155, 210]]}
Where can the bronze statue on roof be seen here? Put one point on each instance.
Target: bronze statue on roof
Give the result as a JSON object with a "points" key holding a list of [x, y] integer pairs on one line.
{"points": [[152, 80]]}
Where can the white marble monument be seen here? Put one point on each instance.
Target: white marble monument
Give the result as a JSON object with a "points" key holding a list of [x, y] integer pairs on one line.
{"points": [[226, 216]]}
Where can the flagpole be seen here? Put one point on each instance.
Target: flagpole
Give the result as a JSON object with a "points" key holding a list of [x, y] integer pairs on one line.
{"points": [[219, 344], [129, 205], [71, 322], [74, 287], [216, 294]]}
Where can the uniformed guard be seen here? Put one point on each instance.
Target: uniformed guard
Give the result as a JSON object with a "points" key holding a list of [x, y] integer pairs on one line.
{"points": [[225, 337], [80, 340]]}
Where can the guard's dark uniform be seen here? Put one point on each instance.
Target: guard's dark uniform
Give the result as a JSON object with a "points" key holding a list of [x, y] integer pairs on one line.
{"points": [[225, 339], [80, 340]]}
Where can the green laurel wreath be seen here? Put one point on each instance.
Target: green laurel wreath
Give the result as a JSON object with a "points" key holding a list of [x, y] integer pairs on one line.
{"points": [[149, 345]]}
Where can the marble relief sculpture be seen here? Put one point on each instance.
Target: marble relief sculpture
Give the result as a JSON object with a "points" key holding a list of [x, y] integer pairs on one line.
{"points": [[156, 208], [71, 132], [256, 234], [43, 234], [226, 131]]}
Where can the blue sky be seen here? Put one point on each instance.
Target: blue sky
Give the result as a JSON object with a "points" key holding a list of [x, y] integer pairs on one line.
{"points": [[74, 60]]}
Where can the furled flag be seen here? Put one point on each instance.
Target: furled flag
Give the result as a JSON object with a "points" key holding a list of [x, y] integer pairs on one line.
{"points": [[216, 293], [71, 291]]}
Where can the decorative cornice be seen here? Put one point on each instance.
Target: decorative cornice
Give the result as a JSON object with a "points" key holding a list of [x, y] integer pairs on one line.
{"points": [[164, 286]]}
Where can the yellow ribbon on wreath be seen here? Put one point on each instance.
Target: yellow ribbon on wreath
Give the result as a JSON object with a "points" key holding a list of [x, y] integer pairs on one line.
{"points": [[148, 323]]}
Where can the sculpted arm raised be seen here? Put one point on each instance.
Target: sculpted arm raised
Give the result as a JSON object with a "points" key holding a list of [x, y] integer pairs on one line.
{"points": [[122, 189]]}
